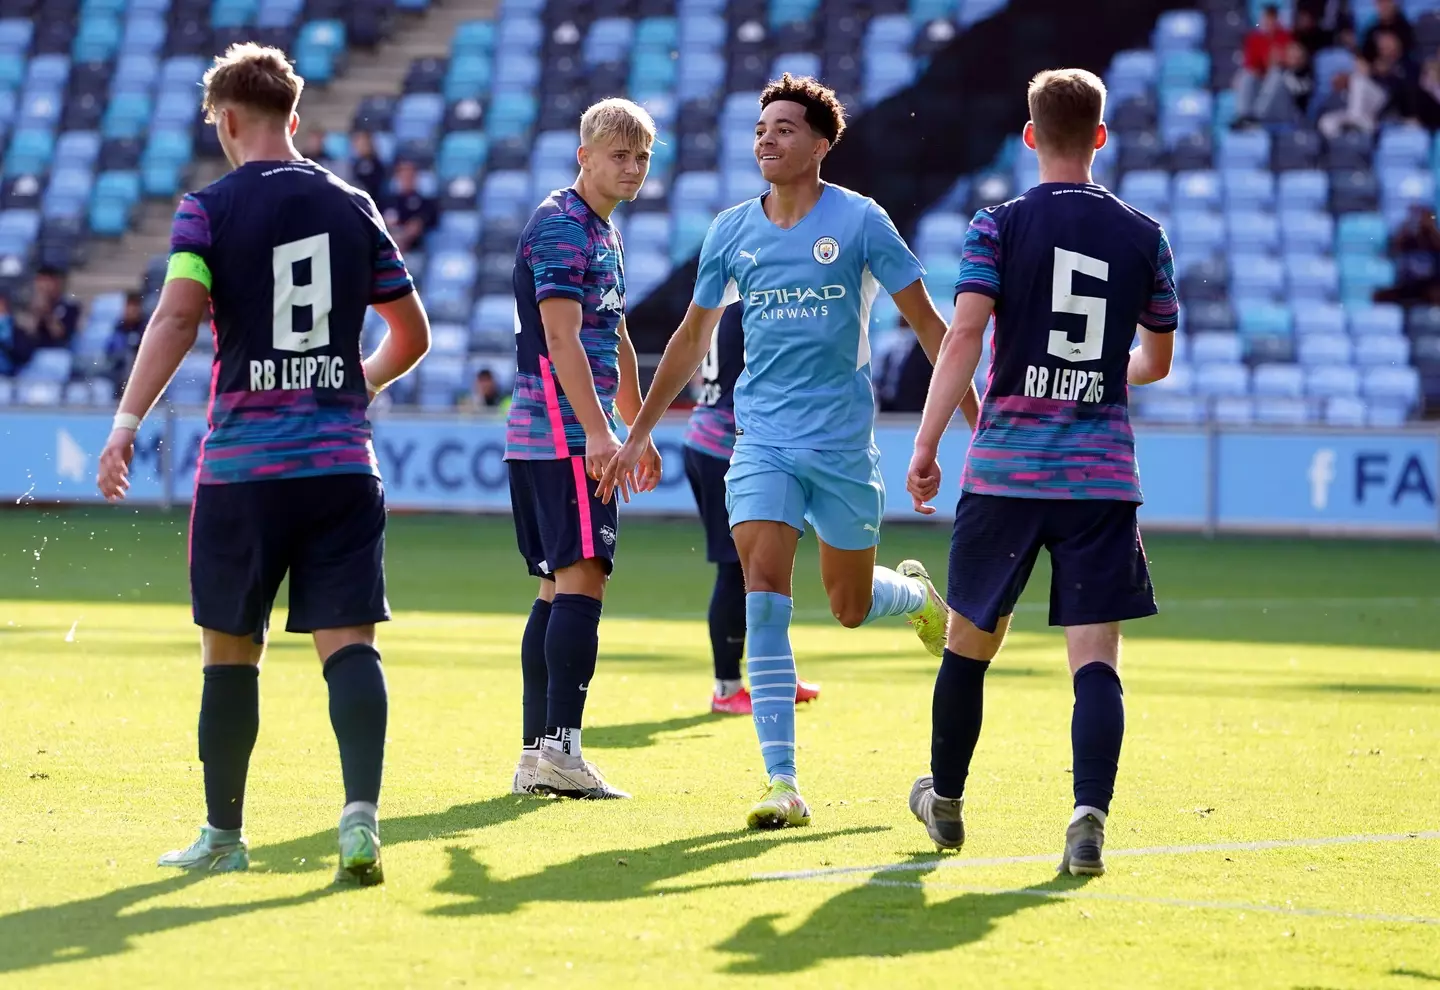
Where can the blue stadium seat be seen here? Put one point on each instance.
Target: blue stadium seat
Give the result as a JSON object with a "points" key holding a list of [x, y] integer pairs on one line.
{"points": [[1345, 410], [1132, 73], [1282, 412], [546, 180], [1315, 317], [135, 70], [1319, 349], [1403, 146], [50, 364], [1312, 277], [1257, 276], [797, 64], [657, 34], [1264, 319], [30, 152], [182, 70], [1175, 410], [144, 34], [1303, 189], [941, 231], [1360, 276], [458, 230], [1233, 410], [418, 116], [650, 229], [1148, 191], [1385, 414], [462, 153], [688, 232], [1278, 381], [699, 74], [449, 340], [696, 190], [516, 72], [1249, 189], [1331, 381], [126, 116], [175, 110], [474, 37], [1307, 232], [43, 70], [97, 39], [504, 194], [1376, 320], [1184, 112], [467, 77], [1184, 70], [1197, 234], [1178, 30], [1399, 385], [1361, 233], [703, 33], [1216, 380], [608, 40], [1216, 348], [1193, 190], [77, 148], [1382, 352], [511, 115], [1251, 232], [40, 109], [1180, 381], [519, 34], [15, 36]]}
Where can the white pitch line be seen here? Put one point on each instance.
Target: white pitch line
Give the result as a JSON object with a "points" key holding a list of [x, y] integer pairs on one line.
{"points": [[1186, 850], [1089, 895]]}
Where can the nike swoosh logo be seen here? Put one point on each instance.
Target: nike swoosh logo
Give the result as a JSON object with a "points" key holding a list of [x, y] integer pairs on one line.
{"points": [[601, 255], [585, 686]]}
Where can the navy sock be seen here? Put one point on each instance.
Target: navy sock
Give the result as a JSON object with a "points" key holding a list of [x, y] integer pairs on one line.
{"points": [[1096, 729], [533, 674], [572, 641], [359, 709], [956, 712], [229, 723], [727, 621]]}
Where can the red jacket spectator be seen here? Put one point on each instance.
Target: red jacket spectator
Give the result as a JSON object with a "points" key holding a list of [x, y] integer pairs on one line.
{"points": [[1267, 43]]}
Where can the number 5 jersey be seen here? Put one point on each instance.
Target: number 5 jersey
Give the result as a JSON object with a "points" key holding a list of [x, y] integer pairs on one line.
{"points": [[292, 256], [1073, 271]]}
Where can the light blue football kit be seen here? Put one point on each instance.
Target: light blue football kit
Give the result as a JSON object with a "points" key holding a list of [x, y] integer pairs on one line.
{"points": [[804, 405]]}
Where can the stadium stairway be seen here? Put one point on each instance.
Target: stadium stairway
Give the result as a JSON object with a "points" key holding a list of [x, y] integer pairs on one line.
{"points": [[111, 266]]}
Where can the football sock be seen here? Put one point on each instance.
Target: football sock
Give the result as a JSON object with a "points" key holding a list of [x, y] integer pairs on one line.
{"points": [[359, 711], [533, 674], [956, 712], [894, 594], [772, 679], [727, 688], [562, 745], [727, 621], [1096, 729], [572, 641], [229, 723]]}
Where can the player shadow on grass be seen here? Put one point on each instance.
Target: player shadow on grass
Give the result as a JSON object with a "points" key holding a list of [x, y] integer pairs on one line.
{"points": [[640, 735], [108, 923], [105, 925], [612, 875], [888, 915]]}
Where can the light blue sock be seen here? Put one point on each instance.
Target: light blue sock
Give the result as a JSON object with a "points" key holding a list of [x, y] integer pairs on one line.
{"points": [[772, 678], [894, 594]]}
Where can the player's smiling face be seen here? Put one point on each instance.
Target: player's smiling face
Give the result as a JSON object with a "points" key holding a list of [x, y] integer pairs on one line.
{"points": [[785, 145], [615, 171]]}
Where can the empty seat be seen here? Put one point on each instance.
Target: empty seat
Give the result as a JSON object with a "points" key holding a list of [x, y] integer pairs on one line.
{"points": [[1312, 277], [1233, 410], [1315, 317], [1285, 381], [1193, 190], [1215, 348], [1282, 411], [1307, 232], [1262, 319], [1382, 352], [1318, 349], [1395, 384], [1215, 380], [1332, 380], [1384, 319], [1345, 410]]}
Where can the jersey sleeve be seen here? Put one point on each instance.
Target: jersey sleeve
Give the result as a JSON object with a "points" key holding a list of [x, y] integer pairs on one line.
{"points": [[714, 287], [391, 279], [1162, 313], [980, 258], [889, 258], [190, 242], [559, 252]]}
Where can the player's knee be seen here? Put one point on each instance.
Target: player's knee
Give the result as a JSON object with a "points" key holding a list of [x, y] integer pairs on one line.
{"points": [[964, 638], [850, 613]]}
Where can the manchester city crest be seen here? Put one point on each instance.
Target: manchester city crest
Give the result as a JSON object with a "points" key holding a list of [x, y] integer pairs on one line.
{"points": [[826, 250]]}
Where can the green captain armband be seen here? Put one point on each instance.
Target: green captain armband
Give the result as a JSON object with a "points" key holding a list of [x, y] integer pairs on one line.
{"points": [[187, 264]]}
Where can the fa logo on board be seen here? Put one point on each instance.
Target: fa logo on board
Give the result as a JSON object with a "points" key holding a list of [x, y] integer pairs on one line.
{"points": [[826, 250]]}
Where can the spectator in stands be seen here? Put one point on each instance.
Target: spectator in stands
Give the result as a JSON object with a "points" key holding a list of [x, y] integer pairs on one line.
{"points": [[1284, 96], [1388, 17], [1428, 108], [409, 214], [48, 321], [1415, 248], [1309, 32], [1264, 52], [1388, 85], [366, 170], [312, 146], [485, 395], [124, 342]]}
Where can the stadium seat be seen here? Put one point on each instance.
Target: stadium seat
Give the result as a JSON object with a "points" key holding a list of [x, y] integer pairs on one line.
{"points": [[1306, 232], [1216, 380], [1282, 412], [1399, 385], [1215, 348], [1324, 349], [1345, 410], [1384, 319]]}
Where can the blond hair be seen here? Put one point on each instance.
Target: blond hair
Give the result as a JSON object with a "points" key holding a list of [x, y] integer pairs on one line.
{"points": [[1066, 107], [253, 76], [620, 121]]}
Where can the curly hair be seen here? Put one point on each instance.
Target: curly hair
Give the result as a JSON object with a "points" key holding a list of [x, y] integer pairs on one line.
{"points": [[823, 110]]}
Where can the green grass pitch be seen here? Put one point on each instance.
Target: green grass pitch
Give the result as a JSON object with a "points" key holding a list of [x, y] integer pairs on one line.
{"points": [[1290, 691]]}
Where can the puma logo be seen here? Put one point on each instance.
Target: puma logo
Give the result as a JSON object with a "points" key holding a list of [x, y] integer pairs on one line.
{"points": [[754, 258]]}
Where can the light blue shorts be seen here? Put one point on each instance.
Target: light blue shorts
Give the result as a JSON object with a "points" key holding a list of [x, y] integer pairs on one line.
{"points": [[840, 492]]}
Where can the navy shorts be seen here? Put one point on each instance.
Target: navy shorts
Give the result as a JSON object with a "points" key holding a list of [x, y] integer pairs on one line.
{"points": [[559, 520], [327, 532], [1097, 562], [707, 480]]}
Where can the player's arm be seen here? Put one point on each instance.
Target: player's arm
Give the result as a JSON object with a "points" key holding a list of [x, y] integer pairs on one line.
{"points": [[168, 337], [919, 310], [1151, 360], [628, 403], [392, 293], [562, 319], [683, 354], [953, 380]]}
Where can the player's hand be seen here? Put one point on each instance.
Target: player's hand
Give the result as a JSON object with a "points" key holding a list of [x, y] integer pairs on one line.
{"points": [[600, 451], [620, 474], [923, 480], [114, 476], [650, 469]]}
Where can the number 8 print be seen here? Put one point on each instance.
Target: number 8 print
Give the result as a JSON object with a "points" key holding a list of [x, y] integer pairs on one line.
{"points": [[315, 294]]}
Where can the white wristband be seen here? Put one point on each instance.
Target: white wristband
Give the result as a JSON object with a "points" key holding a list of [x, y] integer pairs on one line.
{"points": [[125, 421]]}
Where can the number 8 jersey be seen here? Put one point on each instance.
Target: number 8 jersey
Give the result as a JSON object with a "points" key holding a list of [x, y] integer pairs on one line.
{"points": [[1073, 270], [292, 257]]}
